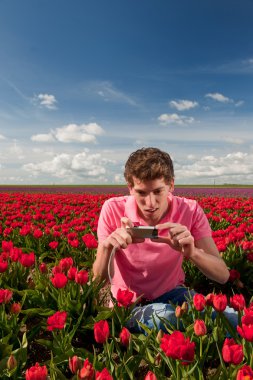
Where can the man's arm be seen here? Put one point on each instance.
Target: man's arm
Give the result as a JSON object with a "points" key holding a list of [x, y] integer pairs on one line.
{"points": [[207, 258], [203, 252], [119, 238]]}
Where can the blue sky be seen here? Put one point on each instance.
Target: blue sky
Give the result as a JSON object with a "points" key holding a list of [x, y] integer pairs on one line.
{"points": [[85, 83]]}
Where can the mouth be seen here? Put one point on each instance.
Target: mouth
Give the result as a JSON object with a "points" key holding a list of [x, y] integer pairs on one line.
{"points": [[151, 210]]}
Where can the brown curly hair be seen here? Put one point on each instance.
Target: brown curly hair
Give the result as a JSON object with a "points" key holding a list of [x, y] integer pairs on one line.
{"points": [[148, 164]]}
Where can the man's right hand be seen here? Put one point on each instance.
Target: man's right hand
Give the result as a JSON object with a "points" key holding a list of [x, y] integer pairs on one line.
{"points": [[120, 238]]}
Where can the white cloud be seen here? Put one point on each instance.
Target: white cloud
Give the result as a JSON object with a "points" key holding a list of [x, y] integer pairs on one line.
{"points": [[174, 118], [182, 105], [43, 137], [46, 100], [84, 133], [233, 140], [73, 132], [68, 166], [232, 167], [2, 137], [219, 97]]}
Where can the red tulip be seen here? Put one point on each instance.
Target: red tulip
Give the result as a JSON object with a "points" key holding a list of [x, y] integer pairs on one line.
{"points": [[36, 372], [87, 371], [103, 375], [199, 302], [232, 352], [237, 302], [245, 373], [5, 295], [59, 280], [220, 302], [177, 346], [90, 241], [150, 376], [200, 327], [124, 297], [72, 273], [125, 336], [57, 321], [82, 277], [101, 331], [75, 363], [15, 308], [27, 259]]}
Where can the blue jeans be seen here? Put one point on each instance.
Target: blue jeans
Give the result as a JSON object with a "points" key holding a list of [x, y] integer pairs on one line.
{"points": [[162, 308]]}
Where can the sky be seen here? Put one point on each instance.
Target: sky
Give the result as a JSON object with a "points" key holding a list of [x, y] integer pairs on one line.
{"points": [[84, 83]]}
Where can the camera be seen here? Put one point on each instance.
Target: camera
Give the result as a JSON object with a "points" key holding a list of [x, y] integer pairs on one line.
{"points": [[143, 232]]}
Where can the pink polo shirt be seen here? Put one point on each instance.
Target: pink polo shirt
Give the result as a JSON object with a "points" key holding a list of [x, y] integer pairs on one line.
{"points": [[150, 269]]}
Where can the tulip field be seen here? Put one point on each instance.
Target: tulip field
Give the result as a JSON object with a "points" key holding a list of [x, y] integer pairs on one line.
{"points": [[55, 322]]}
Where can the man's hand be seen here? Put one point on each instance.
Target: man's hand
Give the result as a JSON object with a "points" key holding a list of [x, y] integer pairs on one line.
{"points": [[178, 238], [121, 238]]}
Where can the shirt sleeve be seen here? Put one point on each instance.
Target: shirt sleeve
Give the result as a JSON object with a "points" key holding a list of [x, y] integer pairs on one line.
{"points": [[200, 226], [106, 222]]}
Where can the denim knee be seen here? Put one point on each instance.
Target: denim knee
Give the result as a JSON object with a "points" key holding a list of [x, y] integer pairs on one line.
{"points": [[154, 315]]}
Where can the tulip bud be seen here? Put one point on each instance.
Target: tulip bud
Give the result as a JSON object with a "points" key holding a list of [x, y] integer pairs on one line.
{"points": [[179, 312], [15, 308], [75, 363], [159, 336], [11, 362], [185, 307], [200, 327]]}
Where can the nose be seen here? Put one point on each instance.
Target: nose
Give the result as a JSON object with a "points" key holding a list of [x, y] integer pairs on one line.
{"points": [[150, 200]]}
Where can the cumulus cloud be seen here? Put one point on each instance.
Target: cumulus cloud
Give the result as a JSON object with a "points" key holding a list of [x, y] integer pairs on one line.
{"points": [[182, 105], [229, 168], [43, 137], [219, 97], [84, 133], [46, 100], [67, 166], [174, 118], [2, 137]]}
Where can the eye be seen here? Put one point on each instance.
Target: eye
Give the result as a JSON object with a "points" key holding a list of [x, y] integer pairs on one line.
{"points": [[158, 191]]}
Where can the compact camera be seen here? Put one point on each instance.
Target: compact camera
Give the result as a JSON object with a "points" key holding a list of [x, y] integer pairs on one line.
{"points": [[143, 232]]}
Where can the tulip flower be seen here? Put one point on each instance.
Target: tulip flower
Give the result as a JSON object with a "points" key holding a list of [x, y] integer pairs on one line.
{"points": [[75, 364], [245, 373], [27, 259], [87, 371], [101, 331], [36, 372], [200, 327], [125, 336], [124, 297], [103, 375], [232, 352], [150, 376], [237, 302], [177, 346], [220, 302], [59, 280], [199, 302], [5, 295], [57, 321], [15, 308], [82, 277], [90, 241]]}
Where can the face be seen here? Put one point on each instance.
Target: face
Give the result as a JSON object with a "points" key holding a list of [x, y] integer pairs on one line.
{"points": [[151, 198]]}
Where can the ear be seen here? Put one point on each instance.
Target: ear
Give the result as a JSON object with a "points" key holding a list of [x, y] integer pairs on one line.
{"points": [[130, 189], [172, 185]]}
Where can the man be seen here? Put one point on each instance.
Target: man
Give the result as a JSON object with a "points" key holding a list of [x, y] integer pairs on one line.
{"points": [[152, 268]]}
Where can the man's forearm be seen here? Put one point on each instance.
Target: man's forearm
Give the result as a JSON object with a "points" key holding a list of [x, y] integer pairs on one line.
{"points": [[210, 265], [100, 265]]}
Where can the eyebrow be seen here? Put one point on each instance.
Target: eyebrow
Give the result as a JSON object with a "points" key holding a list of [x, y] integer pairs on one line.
{"points": [[145, 191]]}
